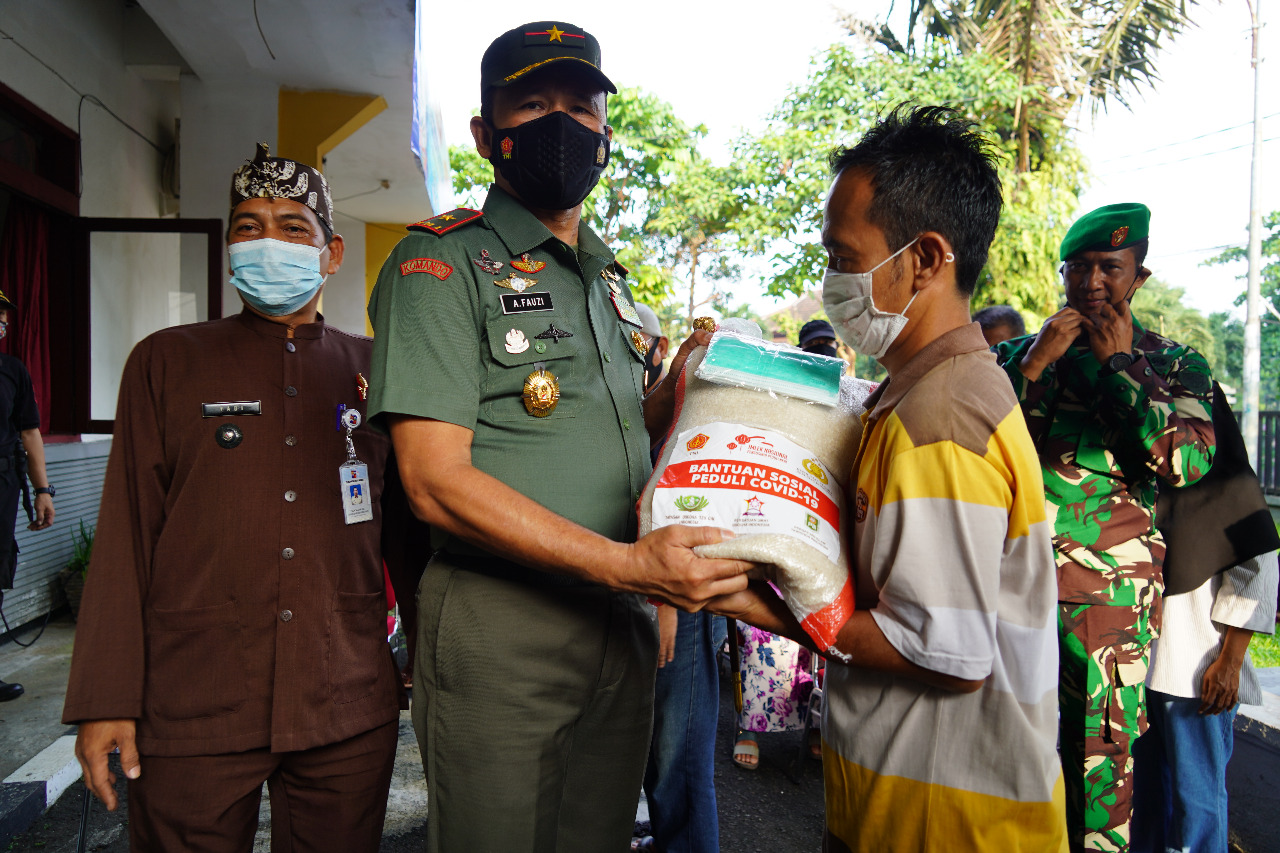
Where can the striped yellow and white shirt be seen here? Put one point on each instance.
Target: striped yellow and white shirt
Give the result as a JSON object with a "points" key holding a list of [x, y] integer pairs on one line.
{"points": [[953, 557]]}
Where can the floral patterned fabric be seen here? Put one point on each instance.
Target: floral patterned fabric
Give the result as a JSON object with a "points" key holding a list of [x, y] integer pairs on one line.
{"points": [[775, 681]]}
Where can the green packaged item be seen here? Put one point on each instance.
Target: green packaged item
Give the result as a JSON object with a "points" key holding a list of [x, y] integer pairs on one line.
{"points": [[744, 362]]}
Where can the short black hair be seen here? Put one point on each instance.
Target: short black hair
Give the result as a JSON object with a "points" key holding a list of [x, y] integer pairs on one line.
{"points": [[1140, 251], [931, 172], [994, 316]]}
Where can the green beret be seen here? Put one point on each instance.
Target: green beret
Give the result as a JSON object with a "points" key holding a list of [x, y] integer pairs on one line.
{"points": [[1111, 227]]}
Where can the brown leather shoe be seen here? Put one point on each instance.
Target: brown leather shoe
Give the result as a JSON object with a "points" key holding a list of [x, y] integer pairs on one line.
{"points": [[10, 691]]}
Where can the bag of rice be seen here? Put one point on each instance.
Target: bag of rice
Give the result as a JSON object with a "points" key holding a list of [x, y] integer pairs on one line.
{"points": [[769, 467]]}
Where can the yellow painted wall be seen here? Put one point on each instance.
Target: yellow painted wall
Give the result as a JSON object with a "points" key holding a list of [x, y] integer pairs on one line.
{"points": [[379, 239], [311, 124]]}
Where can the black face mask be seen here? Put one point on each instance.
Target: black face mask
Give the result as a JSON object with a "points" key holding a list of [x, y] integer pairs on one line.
{"points": [[822, 349], [652, 370], [551, 162]]}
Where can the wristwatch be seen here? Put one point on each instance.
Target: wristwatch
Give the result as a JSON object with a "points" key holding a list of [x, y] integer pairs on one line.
{"points": [[1118, 362], [47, 490]]}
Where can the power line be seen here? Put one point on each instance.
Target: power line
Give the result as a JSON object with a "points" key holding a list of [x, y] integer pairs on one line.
{"points": [[1185, 159], [1183, 141]]}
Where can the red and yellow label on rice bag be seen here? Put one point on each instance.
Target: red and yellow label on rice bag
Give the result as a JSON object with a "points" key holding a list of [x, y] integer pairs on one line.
{"points": [[751, 481]]}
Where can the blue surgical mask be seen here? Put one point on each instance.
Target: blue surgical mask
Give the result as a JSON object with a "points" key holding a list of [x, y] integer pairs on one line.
{"points": [[275, 277]]}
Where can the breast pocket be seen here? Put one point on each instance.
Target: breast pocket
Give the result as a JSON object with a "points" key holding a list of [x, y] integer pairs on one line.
{"points": [[515, 350]]}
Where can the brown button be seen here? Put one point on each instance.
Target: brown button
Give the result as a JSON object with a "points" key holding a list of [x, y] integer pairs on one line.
{"points": [[290, 347], [286, 615], [291, 440], [291, 391], [287, 553], [291, 496]]}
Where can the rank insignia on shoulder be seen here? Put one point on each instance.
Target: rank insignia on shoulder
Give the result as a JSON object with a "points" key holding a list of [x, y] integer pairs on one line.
{"points": [[447, 221], [487, 263], [516, 283], [430, 266], [525, 264]]}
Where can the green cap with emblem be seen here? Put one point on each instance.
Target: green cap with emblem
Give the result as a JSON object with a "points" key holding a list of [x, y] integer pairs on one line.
{"points": [[517, 52], [1110, 227]]}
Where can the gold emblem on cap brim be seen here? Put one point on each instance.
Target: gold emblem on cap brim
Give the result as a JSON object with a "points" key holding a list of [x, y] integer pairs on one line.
{"points": [[541, 393], [704, 324], [1118, 235]]}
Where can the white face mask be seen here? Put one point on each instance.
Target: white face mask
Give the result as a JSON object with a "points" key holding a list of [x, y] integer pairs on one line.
{"points": [[846, 296]]}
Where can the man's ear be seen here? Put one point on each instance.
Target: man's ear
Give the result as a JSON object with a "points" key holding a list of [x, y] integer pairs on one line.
{"points": [[483, 136], [337, 248], [608, 132], [934, 259]]}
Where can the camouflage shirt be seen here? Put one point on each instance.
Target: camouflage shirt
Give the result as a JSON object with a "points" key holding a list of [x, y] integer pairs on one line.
{"points": [[1103, 440]]}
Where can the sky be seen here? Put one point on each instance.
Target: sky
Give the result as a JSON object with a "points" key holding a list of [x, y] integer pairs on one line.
{"points": [[1183, 148]]}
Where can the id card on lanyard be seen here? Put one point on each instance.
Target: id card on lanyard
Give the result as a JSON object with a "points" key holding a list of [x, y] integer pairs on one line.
{"points": [[353, 478]]}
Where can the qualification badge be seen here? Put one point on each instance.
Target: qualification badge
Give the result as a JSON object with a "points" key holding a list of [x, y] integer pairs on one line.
{"points": [[526, 264], [642, 346], [487, 263], [516, 283], [362, 386], [516, 342], [541, 391]]}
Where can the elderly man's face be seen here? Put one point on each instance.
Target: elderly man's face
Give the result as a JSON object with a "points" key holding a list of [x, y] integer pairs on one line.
{"points": [[285, 220]]}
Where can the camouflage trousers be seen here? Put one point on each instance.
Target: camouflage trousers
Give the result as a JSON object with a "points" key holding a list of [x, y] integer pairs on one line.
{"points": [[1102, 709]]}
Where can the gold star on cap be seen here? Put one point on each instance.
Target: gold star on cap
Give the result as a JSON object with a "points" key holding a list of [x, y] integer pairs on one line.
{"points": [[554, 34]]}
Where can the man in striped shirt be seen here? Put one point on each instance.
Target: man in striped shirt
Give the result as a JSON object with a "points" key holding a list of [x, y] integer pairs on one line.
{"points": [[939, 729]]}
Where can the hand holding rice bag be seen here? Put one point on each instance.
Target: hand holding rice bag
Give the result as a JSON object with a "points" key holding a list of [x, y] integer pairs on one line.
{"points": [[749, 452]]}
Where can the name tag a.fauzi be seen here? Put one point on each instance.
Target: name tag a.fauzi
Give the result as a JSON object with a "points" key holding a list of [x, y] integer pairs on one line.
{"points": [[522, 303], [222, 410]]}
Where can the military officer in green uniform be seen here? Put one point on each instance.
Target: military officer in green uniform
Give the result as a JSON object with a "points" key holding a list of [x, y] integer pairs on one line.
{"points": [[1115, 411], [508, 367]]}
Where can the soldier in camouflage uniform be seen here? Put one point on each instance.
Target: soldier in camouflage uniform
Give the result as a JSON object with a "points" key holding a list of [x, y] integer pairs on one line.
{"points": [[1113, 409]]}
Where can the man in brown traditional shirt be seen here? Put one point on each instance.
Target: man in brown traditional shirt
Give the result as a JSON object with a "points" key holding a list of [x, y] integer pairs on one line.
{"points": [[233, 628]]}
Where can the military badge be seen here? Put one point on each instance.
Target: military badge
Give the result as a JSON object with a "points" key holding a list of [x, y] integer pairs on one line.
{"points": [[516, 283], [541, 392], [601, 153], [626, 311], [506, 145], [525, 264], [487, 263], [516, 342], [1118, 235], [553, 334], [430, 266], [362, 386], [642, 346]]}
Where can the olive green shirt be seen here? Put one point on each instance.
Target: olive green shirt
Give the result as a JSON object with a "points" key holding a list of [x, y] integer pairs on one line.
{"points": [[447, 348]]}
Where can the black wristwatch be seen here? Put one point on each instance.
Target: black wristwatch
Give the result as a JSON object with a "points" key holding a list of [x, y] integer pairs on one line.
{"points": [[1118, 362], [47, 490]]}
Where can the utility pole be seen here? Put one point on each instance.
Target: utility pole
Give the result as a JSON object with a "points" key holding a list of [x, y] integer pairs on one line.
{"points": [[1253, 316]]}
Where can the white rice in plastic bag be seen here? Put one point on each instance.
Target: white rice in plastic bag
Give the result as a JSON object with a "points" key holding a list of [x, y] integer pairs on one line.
{"points": [[774, 470]]}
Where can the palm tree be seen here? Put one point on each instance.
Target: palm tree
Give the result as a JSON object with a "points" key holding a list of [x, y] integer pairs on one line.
{"points": [[1065, 52]]}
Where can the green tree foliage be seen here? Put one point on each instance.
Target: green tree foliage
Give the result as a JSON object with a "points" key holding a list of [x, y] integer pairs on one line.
{"points": [[1158, 306], [785, 173], [1231, 330], [1061, 52]]}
